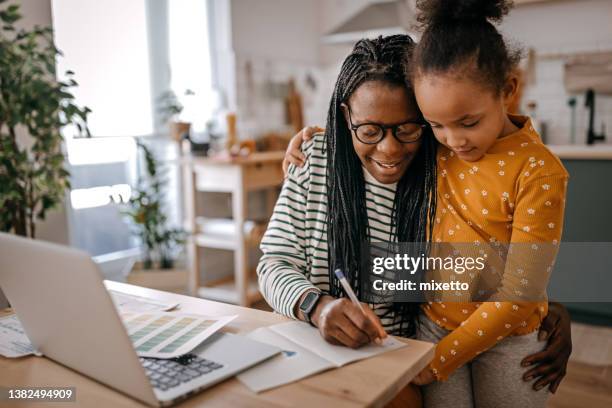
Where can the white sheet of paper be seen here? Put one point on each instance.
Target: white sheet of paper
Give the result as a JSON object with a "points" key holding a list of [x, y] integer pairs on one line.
{"points": [[124, 302], [13, 340], [293, 364], [169, 335], [309, 338]]}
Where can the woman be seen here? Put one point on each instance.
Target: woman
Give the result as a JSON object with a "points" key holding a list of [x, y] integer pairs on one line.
{"points": [[370, 177], [316, 208]]}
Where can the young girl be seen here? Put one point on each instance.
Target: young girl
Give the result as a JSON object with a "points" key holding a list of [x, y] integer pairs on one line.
{"points": [[497, 183]]}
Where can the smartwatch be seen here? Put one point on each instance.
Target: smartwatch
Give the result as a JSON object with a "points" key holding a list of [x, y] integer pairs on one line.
{"points": [[309, 303]]}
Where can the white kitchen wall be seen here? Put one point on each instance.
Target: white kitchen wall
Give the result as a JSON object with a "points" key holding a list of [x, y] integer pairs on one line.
{"points": [[331, 14], [555, 28], [273, 41]]}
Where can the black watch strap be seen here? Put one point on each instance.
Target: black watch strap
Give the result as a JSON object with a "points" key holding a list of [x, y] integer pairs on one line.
{"points": [[309, 303]]}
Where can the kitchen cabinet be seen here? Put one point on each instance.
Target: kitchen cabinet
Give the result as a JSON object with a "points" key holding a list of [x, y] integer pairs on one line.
{"points": [[588, 219]]}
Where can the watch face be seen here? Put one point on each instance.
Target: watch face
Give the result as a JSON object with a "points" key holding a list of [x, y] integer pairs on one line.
{"points": [[308, 301]]}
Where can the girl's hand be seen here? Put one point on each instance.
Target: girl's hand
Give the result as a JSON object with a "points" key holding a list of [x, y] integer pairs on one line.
{"points": [[340, 322], [425, 377], [551, 363], [294, 153]]}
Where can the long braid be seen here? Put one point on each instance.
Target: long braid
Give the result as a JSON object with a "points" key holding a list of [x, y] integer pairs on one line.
{"points": [[381, 59], [414, 212]]}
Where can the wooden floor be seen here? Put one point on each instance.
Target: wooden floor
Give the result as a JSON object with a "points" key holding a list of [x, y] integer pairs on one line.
{"points": [[588, 383], [585, 386]]}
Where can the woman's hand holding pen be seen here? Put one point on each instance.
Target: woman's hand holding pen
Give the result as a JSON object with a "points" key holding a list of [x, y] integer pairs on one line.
{"points": [[343, 323]]}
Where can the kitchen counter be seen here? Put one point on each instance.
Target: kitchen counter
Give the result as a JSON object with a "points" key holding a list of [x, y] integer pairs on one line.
{"points": [[583, 152]]}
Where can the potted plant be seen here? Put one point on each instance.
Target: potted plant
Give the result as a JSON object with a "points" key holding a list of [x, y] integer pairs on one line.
{"points": [[149, 222], [170, 109], [33, 178]]}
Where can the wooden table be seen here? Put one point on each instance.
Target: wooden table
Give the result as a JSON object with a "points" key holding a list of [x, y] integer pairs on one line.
{"points": [[371, 382], [237, 176]]}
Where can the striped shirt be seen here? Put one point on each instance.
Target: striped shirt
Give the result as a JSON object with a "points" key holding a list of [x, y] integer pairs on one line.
{"points": [[295, 251]]}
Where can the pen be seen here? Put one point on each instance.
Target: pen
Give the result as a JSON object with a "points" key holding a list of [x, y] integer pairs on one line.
{"points": [[349, 291]]}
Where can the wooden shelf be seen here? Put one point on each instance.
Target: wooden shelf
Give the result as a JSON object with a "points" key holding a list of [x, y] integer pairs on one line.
{"points": [[238, 176], [226, 237], [216, 241]]}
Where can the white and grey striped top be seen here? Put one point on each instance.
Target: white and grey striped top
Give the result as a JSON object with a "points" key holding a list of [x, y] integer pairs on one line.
{"points": [[295, 244]]}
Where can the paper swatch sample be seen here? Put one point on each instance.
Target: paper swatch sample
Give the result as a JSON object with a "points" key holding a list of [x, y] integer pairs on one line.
{"points": [[305, 353], [125, 302], [169, 335], [13, 340]]}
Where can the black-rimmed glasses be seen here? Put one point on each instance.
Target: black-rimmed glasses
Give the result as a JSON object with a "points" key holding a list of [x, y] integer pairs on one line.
{"points": [[372, 133]]}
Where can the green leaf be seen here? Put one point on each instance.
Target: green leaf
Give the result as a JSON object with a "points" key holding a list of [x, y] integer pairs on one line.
{"points": [[31, 97], [10, 15]]}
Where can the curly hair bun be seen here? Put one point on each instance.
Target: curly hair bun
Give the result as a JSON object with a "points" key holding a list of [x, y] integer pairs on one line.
{"points": [[432, 12]]}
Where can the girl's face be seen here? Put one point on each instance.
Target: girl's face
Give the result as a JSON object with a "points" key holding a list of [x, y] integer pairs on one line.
{"points": [[465, 116], [384, 104]]}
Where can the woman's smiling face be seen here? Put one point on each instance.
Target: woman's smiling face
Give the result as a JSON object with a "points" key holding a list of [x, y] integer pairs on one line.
{"points": [[385, 104]]}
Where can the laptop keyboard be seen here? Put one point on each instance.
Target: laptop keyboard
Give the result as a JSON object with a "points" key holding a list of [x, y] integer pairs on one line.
{"points": [[169, 373]]}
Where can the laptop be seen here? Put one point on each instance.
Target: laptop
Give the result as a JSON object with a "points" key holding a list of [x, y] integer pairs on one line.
{"points": [[60, 298]]}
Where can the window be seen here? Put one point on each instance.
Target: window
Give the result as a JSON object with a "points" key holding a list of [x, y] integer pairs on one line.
{"points": [[122, 53], [105, 43], [190, 60]]}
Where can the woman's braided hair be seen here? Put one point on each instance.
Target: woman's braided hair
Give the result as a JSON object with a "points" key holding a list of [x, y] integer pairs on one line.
{"points": [[382, 60]]}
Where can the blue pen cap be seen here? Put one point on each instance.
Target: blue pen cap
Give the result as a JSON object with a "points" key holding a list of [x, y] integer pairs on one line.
{"points": [[339, 274]]}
